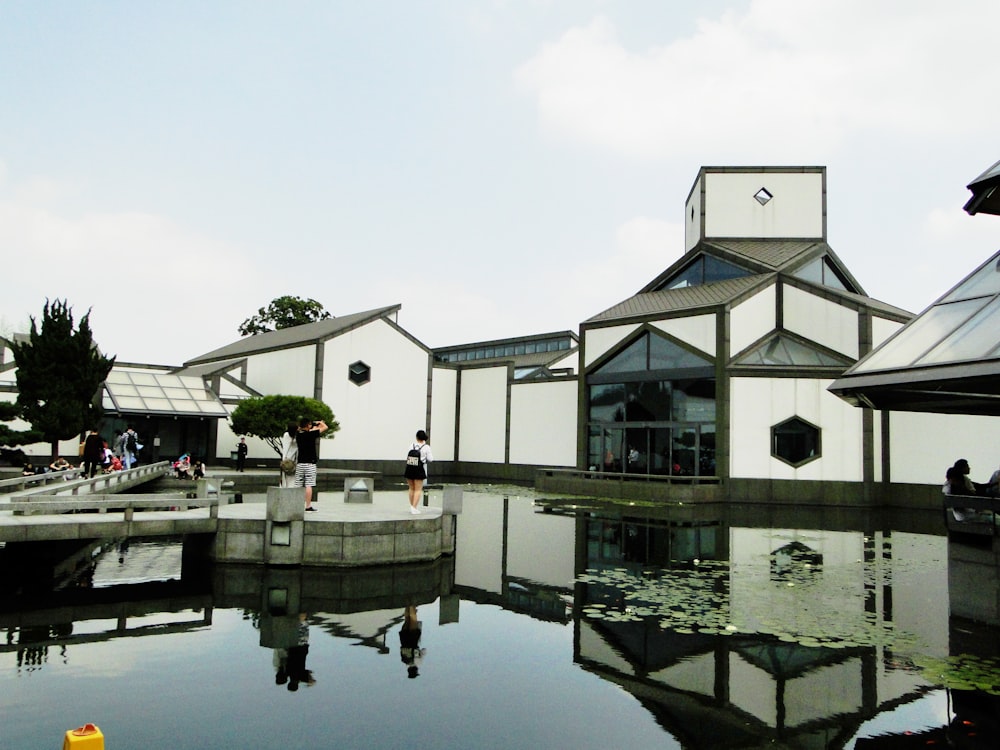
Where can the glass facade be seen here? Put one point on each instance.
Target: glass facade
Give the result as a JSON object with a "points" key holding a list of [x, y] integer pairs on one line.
{"points": [[138, 392], [703, 270], [651, 410], [821, 271], [501, 349]]}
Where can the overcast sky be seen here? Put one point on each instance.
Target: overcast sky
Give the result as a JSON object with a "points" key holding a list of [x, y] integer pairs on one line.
{"points": [[498, 167]]}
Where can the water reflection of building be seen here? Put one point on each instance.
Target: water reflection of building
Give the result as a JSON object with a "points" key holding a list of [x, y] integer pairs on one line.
{"points": [[528, 567], [789, 642]]}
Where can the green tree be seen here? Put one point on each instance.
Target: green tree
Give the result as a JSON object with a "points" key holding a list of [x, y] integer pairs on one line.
{"points": [[59, 372], [283, 312], [268, 417], [9, 437]]}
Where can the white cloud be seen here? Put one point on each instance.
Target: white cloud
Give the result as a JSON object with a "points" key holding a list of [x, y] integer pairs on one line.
{"points": [[153, 287], [781, 81]]}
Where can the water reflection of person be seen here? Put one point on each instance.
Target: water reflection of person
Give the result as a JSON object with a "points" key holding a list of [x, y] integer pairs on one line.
{"points": [[409, 642], [280, 661], [295, 662]]}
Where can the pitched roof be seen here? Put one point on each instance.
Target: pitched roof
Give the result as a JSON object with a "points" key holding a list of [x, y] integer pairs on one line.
{"points": [[775, 254], [210, 368], [310, 333], [945, 360], [685, 298]]}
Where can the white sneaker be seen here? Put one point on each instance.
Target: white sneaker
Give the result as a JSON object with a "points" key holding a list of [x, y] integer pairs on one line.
{"points": [[414, 511]]}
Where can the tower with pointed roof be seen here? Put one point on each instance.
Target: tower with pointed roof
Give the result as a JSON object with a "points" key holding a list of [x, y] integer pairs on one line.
{"points": [[718, 367]]}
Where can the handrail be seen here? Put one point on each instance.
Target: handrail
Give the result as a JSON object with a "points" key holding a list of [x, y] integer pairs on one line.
{"points": [[972, 513], [624, 477], [113, 482], [22, 482], [126, 503]]}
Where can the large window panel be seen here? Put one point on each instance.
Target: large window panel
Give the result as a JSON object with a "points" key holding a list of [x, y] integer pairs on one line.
{"points": [[979, 337], [933, 326], [607, 402]]}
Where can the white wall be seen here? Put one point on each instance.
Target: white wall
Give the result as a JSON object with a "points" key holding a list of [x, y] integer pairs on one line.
{"points": [[757, 404], [379, 418], [752, 319], [483, 415], [599, 341], [543, 423], [443, 413], [883, 329], [288, 371], [696, 330], [923, 446], [820, 320], [692, 217], [540, 546], [571, 361], [796, 210]]}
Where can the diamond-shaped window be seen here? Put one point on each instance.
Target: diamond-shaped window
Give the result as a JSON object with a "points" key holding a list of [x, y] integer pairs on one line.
{"points": [[359, 373], [762, 196]]}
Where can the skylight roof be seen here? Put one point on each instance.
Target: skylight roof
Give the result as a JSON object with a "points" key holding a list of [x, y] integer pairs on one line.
{"points": [[143, 392]]}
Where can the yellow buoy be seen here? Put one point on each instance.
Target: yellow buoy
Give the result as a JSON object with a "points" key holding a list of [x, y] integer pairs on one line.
{"points": [[87, 737]]}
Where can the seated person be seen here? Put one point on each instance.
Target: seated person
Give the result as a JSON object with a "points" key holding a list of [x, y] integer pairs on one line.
{"points": [[199, 470], [60, 464], [993, 486], [957, 480], [957, 483], [182, 467], [115, 464], [28, 470]]}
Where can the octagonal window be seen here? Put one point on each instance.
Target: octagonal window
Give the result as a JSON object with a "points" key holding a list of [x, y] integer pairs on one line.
{"points": [[359, 373], [795, 441]]}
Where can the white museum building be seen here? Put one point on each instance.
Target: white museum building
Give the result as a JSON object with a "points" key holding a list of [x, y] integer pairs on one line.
{"points": [[714, 375]]}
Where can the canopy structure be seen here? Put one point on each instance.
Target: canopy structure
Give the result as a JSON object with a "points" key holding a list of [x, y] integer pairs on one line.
{"points": [[945, 360], [160, 394], [985, 192]]}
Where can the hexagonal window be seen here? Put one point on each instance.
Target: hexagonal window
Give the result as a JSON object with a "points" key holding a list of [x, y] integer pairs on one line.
{"points": [[795, 441], [359, 373]]}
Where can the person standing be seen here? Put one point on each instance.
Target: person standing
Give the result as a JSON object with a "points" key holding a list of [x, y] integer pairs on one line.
{"points": [[93, 453], [289, 456], [241, 454], [130, 447], [307, 442], [409, 642], [417, 459]]}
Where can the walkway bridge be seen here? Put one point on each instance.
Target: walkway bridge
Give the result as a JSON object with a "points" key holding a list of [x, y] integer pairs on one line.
{"points": [[277, 532]]}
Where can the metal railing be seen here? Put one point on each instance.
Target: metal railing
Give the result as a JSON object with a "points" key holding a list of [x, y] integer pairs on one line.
{"points": [[619, 476], [34, 480], [116, 481]]}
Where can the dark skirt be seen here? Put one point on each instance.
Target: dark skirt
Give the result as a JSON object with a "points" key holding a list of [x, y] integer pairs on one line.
{"points": [[415, 472]]}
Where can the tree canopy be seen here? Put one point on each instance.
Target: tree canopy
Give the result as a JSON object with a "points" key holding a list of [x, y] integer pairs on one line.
{"points": [[268, 417], [59, 372], [283, 312]]}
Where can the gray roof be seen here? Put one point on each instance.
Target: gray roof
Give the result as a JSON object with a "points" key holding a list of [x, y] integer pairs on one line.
{"points": [[775, 254], [210, 368], [985, 192], [677, 300], [310, 333], [945, 360]]}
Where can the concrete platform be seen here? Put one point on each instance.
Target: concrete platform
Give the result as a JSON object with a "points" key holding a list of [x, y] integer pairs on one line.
{"points": [[338, 534]]}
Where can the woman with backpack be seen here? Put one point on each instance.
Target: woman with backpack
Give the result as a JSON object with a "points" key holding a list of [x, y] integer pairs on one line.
{"points": [[417, 459]]}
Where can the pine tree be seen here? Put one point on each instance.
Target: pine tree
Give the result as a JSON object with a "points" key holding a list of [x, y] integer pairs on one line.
{"points": [[59, 372]]}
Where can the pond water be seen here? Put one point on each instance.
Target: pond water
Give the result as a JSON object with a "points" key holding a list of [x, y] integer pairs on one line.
{"points": [[559, 622]]}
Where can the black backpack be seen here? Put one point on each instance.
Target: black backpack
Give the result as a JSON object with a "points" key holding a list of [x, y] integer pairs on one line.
{"points": [[413, 457], [130, 444]]}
